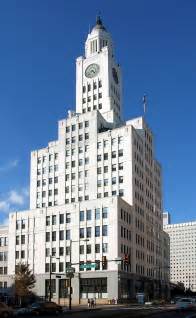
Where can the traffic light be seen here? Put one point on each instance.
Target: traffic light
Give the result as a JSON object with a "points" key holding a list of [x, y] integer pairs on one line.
{"points": [[104, 262], [126, 259]]}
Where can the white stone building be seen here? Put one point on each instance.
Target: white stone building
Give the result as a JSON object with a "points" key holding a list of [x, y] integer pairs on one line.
{"points": [[96, 191], [166, 218], [4, 278], [183, 253]]}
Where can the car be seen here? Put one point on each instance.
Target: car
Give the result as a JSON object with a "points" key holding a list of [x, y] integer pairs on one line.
{"points": [[22, 311], [184, 303], [42, 308], [5, 311]]}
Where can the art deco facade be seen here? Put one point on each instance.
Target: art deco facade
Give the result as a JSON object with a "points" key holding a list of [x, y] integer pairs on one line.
{"points": [[96, 191]]}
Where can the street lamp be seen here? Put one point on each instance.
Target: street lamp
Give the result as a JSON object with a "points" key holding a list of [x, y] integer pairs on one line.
{"points": [[50, 277], [70, 274]]}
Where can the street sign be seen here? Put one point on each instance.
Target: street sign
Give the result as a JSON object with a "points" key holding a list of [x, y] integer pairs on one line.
{"points": [[70, 270], [58, 276], [82, 266]]}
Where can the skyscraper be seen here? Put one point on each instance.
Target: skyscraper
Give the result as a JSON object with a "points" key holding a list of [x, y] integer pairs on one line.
{"points": [[95, 195]]}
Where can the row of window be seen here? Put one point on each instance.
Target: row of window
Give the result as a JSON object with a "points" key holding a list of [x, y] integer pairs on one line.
{"points": [[44, 181], [114, 155], [94, 97], [66, 251], [114, 193], [114, 141], [72, 140], [88, 214], [106, 168], [62, 219], [44, 158], [87, 232], [73, 150], [44, 170], [80, 126], [88, 87], [3, 284], [105, 181]]}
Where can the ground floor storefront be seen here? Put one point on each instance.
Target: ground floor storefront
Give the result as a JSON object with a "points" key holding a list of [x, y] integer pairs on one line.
{"points": [[105, 287]]}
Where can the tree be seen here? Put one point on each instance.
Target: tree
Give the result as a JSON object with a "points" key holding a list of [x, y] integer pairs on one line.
{"points": [[24, 281]]}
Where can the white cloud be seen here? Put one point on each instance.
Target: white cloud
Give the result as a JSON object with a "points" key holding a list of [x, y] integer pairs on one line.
{"points": [[4, 206], [9, 165], [16, 198]]}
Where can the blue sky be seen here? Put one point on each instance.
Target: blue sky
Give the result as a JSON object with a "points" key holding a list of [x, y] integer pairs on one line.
{"points": [[155, 45]]}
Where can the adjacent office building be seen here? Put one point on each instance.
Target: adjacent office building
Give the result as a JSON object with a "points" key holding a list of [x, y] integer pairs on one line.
{"points": [[95, 194], [183, 253]]}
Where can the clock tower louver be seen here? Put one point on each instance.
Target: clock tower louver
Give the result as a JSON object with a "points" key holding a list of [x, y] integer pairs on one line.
{"points": [[98, 77]]}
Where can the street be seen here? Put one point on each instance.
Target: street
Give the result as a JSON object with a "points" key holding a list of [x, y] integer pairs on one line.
{"points": [[126, 312]]}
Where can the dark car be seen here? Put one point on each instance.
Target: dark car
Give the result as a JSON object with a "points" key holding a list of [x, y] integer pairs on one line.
{"points": [[43, 308], [5, 311]]}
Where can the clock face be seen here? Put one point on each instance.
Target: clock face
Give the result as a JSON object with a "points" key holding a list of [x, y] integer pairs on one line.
{"points": [[115, 75], [92, 70]]}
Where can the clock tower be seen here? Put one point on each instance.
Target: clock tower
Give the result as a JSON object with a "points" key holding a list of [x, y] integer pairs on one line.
{"points": [[98, 77]]}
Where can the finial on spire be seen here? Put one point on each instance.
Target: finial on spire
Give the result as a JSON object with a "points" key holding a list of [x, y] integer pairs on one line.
{"points": [[98, 19]]}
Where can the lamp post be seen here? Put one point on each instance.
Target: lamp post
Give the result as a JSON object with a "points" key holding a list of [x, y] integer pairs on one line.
{"points": [[70, 275]]}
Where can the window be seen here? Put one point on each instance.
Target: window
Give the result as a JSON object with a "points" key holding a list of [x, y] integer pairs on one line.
{"points": [[81, 216], [86, 123], [50, 193], [88, 249], [105, 143], [105, 182], [86, 197], [100, 106], [105, 156], [97, 248], [73, 164], [88, 215], [104, 230], [99, 170], [86, 173], [97, 214], [113, 192], [73, 140], [105, 213], [73, 127], [44, 182], [121, 193], [73, 176], [67, 250], [53, 267], [80, 162], [120, 153], [68, 218], [67, 153], [55, 179], [54, 236], [86, 136], [81, 232], [61, 251], [105, 169], [50, 157], [100, 95], [47, 236], [99, 145], [17, 254], [38, 183], [38, 172], [80, 150], [68, 235], [98, 157], [88, 232], [61, 267], [73, 151], [80, 137], [22, 254], [113, 154], [80, 125], [81, 249], [67, 165], [120, 179], [87, 161], [47, 220], [47, 267], [67, 189], [56, 168], [105, 247], [22, 239], [67, 129], [56, 156], [43, 194], [47, 252], [99, 183], [61, 218], [54, 220], [120, 166], [97, 231], [61, 235], [54, 251], [67, 141], [114, 167], [114, 180]]}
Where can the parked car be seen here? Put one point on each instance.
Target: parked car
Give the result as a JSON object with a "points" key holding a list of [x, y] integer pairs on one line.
{"points": [[184, 303], [5, 311], [48, 307], [22, 311]]}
